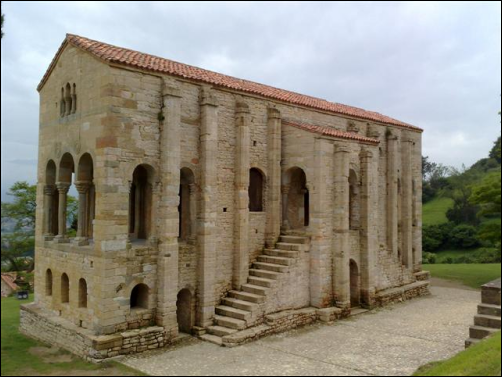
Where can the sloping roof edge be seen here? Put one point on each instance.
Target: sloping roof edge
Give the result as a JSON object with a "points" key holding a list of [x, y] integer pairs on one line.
{"points": [[141, 61]]}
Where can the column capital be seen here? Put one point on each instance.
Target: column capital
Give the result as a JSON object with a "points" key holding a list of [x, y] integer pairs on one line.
{"points": [[366, 154], [171, 91], [207, 98], [83, 186], [342, 149], [63, 187], [241, 108], [273, 113], [391, 136], [285, 189], [49, 189]]}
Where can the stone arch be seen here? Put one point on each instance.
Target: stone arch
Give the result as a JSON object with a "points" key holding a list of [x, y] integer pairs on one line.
{"points": [[187, 206], [68, 99], [139, 296], [65, 289], [87, 197], [184, 311], [355, 284], [256, 190], [354, 201], [296, 199], [48, 282], [140, 202], [50, 200], [82, 293], [62, 105], [73, 98], [66, 168]]}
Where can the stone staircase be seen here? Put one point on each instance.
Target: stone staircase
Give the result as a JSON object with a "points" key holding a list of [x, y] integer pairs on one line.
{"points": [[247, 307], [487, 321]]}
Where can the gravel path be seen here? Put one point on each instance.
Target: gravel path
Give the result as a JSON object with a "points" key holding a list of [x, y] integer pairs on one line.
{"points": [[391, 341]]}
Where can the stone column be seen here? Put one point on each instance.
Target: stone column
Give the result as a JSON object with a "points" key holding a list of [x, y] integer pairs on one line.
{"points": [[285, 194], [62, 188], [92, 207], [369, 223], [49, 191], [392, 195], [274, 177], [320, 225], [83, 211], [242, 166], [407, 203], [417, 197], [153, 239], [168, 210], [341, 232], [206, 226]]}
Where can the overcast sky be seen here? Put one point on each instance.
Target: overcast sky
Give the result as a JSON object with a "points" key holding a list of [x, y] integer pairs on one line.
{"points": [[434, 65]]}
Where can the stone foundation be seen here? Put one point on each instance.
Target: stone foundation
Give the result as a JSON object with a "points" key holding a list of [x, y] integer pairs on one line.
{"points": [[52, 329], [400, 294]]}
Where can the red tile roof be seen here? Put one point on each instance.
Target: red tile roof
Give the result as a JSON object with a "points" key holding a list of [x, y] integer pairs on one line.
{"points": [[142, 61], [9, 279], [327, 131]]}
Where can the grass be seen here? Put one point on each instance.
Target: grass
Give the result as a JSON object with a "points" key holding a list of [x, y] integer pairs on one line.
{"points": [[482, 359], [21, 355], [434, 212], [443, 254], [471, 275]]}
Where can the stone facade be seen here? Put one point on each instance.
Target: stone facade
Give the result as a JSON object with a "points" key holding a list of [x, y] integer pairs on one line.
{"points": [[176, 234]]}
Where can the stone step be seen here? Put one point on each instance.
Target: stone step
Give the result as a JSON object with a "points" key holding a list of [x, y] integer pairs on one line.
{"points": [[288, 246], [246, 296], [228, 311], [254, 289], [270, 267], [490, 296], [281, 253], [240, 304], [220, 331], [263, 282], [488, 309], [229, 322], [469, 342], [275, 260], [265, 274], [478, 332], [294, 239], [487, 321], [212, 339]]}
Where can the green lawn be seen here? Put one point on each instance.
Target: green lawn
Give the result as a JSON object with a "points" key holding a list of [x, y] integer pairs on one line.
{"points": [[23, 356], [434, 212], [472, 275], [443, 254], [482, 359]]}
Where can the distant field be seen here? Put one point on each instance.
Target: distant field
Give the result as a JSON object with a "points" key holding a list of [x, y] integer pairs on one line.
{"points": [[472, 275], [434, 212]]}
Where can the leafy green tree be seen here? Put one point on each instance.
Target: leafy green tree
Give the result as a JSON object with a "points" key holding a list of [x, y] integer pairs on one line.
{"points": [[495, 152], [460, 189]]}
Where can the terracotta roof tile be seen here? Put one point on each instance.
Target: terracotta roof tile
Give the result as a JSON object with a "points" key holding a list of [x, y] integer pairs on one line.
{"points": [[327, 131], [139, 60]]}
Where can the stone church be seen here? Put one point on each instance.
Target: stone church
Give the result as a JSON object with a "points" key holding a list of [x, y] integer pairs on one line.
{"points": [[211, 206]]}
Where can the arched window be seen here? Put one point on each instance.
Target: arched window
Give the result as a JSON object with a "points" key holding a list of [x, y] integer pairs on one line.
{"points": [[67, 99], [50, 201], [74, 99], [65, 289], [65, 178], [139, 297], [48, 282], [82, 293], [187, 205], [85, 188], [140, 202], [62, 108], [255, 190], [354, 201]]}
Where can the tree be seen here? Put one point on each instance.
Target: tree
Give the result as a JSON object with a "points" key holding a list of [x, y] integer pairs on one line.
{"points": [[495, 152], [19, 217], [460, 190]]}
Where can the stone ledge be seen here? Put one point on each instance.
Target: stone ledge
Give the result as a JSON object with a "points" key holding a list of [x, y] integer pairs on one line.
{"points": [[423, 275], [400, 294]]}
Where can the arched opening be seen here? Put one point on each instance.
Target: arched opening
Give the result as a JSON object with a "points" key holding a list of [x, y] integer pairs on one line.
{"points": [[256, 187], [354, 201], [139, 297], [62, 108], [67, 99], [186, 208], [65, 179], [65, 289], [74, 99], [86, 196], [140, 202], [82, 293], [48, 282], [50, 200], [355, 299], [296, 200], [184, 311]]}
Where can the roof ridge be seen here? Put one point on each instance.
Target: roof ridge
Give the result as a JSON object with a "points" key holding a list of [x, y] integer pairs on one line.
{"points": [[143, 61]]}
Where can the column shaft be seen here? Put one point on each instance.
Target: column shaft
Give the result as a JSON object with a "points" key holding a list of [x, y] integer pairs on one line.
{"points": [[392, 196], [63, 196], [407, 204]]}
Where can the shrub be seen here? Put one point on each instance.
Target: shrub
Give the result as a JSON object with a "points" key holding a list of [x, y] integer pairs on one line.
{"points": [[435, 237], [464, 237], [429, 258]]}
